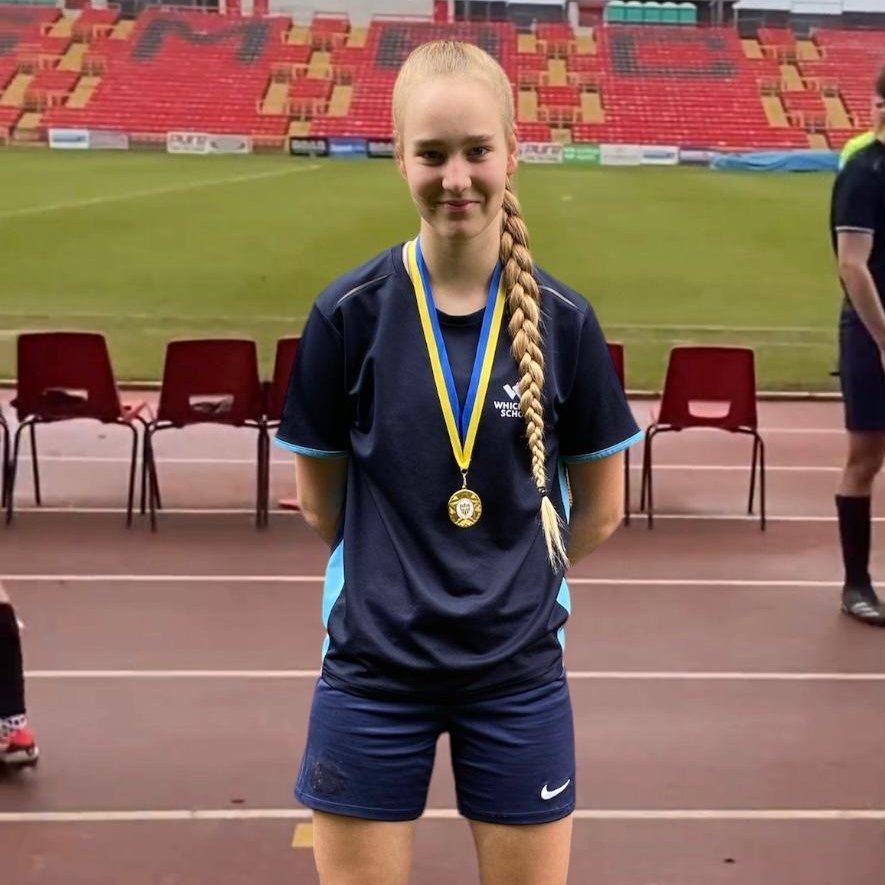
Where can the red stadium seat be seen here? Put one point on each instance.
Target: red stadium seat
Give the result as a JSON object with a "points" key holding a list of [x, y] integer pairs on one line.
{"points": [[724, 377], [287, 349], [616, 351], [64, 376], [209, 381]]}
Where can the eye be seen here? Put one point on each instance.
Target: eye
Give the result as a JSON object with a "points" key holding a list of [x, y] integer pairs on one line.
{"points": [[479, 151], [430, 156]]}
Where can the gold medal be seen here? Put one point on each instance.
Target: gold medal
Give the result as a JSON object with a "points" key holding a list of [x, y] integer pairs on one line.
{"points": [[465, 508]]}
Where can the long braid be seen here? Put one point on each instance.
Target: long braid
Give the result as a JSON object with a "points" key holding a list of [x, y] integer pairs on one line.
{"points": [[524, 305]]}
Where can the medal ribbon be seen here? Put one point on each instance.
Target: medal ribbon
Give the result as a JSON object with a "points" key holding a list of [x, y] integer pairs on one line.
{"points": [[461, 424]]}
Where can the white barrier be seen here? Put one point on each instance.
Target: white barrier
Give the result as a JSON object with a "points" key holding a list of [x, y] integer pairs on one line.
{"points": [[540, 152], [659, 155], [620, 154], [207, 143], [69, 139]]}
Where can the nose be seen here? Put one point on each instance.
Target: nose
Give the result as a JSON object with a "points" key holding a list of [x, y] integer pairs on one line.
{"points": [[456, 175]]}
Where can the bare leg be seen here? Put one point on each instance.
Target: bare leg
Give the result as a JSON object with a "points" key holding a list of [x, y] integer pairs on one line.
{"points": [[351, 851], [534, 854], [866, 452]]}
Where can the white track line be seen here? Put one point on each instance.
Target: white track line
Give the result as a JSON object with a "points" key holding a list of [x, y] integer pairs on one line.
{"points": [[603, 814], [676, 327], [131, 579], [152, 192], [583, 675]]}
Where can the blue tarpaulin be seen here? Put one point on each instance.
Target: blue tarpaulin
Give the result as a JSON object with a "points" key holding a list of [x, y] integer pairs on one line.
{"points": [[779, 161]]}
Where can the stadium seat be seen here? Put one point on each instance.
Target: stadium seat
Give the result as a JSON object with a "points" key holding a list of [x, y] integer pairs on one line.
{"points": [[63, 376], [616, 351], [209, 381], [720, 378], [276, 389], [666, 83]]}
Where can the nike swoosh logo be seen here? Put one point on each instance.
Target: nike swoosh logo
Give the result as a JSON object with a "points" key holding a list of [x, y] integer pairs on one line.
{"points": [[549, 794]]}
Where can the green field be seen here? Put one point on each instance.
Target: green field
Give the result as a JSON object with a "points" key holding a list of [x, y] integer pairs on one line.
{"points": [[146, 247]]}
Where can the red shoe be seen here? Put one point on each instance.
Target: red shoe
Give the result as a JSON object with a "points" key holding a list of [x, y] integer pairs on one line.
{"points": [[19, 749]]}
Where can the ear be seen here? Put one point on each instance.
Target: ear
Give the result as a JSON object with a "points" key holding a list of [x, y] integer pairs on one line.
{"points": [[512, 152], [398, 154]]}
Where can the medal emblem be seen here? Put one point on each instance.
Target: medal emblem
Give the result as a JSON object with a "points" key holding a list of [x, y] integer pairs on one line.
{"points": [[465, 508]]}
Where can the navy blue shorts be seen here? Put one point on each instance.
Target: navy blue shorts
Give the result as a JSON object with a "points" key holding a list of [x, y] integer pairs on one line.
{"points": [[513, 757], [862, 376]]}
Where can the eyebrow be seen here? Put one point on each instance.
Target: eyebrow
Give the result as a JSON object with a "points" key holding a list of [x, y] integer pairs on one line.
{"points": [[434, 142]]}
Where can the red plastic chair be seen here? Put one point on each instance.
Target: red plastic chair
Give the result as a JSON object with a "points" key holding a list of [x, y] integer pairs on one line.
{"points": [[287, 349], [276, 390], [724, 376], [616, 350], [209, 381], [64, 376]]}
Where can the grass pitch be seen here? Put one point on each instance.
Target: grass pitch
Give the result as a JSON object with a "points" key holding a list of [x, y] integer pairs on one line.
{"points": [[146, 247]]}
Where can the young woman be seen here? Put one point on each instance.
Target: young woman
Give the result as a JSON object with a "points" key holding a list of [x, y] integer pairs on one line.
{"points": [[17, 745], [858, 225], [446, 397]]}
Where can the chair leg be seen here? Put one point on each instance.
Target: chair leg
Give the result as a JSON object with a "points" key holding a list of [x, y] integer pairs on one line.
{"points": [[627, 487], [266, 488], [144, 471], [152, 479], [762, 516], [261, 477], [649, 484], [130, 500], [753, 475], [11, 473], [643, 490], [35, 466]]}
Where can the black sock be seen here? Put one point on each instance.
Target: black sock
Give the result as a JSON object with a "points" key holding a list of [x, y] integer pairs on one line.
{"points": [[12, 678], [854, 532]]}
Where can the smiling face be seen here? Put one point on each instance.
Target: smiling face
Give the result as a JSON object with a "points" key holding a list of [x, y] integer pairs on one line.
{"points": [[455, 152]]}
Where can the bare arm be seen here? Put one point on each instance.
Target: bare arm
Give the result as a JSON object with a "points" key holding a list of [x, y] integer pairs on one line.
{"points": [[854, 248], [597, 503], [321, 484]]}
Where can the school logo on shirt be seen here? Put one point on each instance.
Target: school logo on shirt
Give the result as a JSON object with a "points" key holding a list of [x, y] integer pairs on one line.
{"points": [[509, 408]]}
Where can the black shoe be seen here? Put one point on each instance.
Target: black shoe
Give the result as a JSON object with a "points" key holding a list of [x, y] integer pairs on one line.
{"points": [[863, 604]]}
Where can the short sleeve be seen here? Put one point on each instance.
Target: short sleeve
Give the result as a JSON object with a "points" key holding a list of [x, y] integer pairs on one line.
{"points": [[595, 420], [856, 200], [315, 418]]}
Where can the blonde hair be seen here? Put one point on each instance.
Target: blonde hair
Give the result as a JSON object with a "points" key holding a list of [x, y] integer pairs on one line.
{"points": [[451, 58]]}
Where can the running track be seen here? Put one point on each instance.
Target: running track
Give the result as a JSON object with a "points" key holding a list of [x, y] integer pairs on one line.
{"points": [[730, 721]]}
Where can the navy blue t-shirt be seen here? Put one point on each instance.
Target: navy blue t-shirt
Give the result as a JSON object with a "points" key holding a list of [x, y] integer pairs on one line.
{"points": [[858, 204], [414, 605]]}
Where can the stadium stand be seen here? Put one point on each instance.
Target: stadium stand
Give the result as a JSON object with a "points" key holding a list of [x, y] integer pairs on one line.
{"points": [[649, 76]]}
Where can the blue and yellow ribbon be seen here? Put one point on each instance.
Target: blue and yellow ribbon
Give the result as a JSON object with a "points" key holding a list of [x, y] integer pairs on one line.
{"points": [[461, 424]]}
